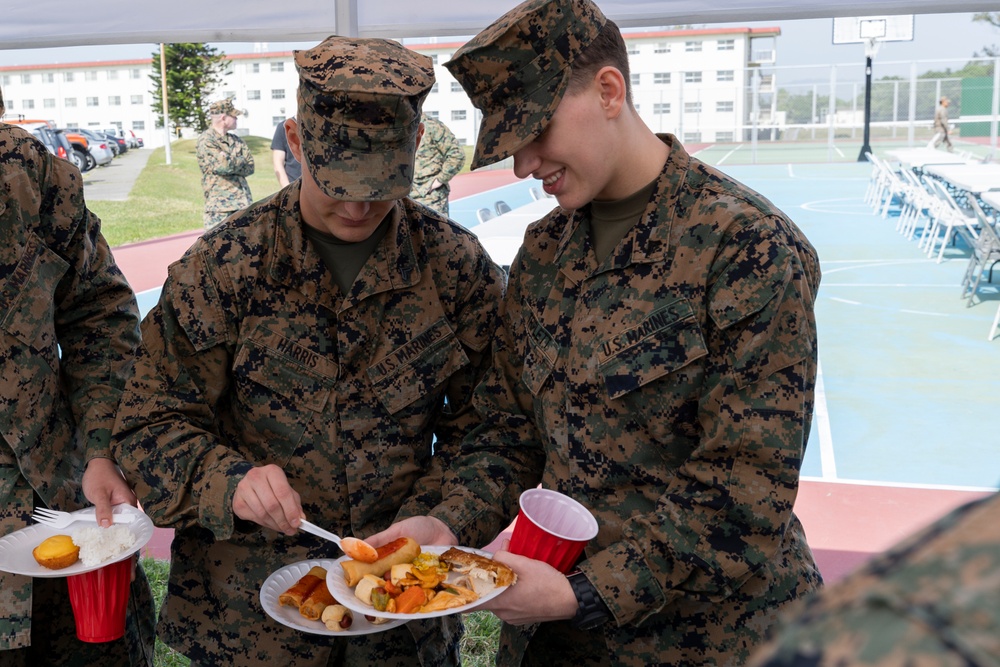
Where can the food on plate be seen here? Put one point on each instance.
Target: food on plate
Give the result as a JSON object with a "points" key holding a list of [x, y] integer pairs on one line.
{"points": [[429, 582], [403, 550], [317, 602], [313, 600], [56, 552], [297, 594], [484, 573], [100, 545], [337, 617]]}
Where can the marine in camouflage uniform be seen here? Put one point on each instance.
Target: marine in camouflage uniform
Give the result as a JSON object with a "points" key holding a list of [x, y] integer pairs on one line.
{"points": [[225, 161], [68, 328], [932, 600], [256, 356], [439, 159], [667, 385]]}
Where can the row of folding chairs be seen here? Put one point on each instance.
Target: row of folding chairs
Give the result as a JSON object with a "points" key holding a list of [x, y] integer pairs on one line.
{"points": [[925, 205]]}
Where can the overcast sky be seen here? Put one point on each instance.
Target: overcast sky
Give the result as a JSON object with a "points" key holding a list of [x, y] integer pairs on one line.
{"points": [[808, 42]]}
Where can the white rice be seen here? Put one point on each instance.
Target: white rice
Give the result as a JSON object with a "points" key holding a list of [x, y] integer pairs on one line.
{"points": [[98, 545]]}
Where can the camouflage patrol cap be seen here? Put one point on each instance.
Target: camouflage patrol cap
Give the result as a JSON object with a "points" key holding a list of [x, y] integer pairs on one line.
{"points": [[224, 107], [517, 70], [359, 114]]}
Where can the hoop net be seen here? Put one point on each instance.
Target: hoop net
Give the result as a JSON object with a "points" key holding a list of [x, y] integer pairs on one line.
{"points": [[871, 46]]}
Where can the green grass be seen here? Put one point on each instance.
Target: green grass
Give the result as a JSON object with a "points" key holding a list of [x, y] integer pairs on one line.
{"points": [[478, 648], [167, 199]]}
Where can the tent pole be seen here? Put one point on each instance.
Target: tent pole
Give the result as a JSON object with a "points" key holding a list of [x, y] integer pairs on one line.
{"points": [[347, 18]]}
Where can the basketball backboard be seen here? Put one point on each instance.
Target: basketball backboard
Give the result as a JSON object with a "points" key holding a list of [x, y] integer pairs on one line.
{"points": [[872, 30]]}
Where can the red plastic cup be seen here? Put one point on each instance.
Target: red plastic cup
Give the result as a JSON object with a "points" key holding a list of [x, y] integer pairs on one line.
{"points": [[99, 599], [552, 527]]}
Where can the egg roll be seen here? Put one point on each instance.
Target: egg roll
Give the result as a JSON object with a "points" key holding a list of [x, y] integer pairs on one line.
{"points": [[297, 594], [403, 550], [312, 607]]}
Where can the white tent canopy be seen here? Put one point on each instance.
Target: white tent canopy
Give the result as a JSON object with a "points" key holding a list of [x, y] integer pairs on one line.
{"points": [[62, 23]]}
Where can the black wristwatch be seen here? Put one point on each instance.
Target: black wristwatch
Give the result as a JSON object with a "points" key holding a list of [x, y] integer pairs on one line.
{"points": [[591, 610]]}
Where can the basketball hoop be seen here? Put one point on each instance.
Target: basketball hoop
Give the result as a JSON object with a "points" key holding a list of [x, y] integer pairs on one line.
{"points": [[871, 31]]}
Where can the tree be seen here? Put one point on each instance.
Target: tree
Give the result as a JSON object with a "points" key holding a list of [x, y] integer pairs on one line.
{"points": [[993, 18], [194, 71]]}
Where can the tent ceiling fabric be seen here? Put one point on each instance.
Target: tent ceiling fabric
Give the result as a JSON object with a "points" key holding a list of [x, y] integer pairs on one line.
{"points": [[25, 25]]}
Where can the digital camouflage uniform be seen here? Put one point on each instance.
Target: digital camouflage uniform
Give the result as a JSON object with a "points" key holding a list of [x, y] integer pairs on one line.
{"points": [[254, 356], [68, 328], [669, 390], [933, 600], [439, 157], [225, 162]]}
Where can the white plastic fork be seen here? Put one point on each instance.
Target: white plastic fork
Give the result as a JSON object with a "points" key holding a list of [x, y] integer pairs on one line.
{"points": [[58, 519]]}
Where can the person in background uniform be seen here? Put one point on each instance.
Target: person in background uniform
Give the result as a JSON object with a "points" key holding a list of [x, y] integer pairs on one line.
{"points": [[941, 124], [225, 162], [656, 362], [932, 600], [69, 328], [286, 167], [307, 358], [439, 159]]}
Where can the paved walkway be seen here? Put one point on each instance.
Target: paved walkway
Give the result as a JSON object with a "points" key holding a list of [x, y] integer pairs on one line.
{"points": [[114, 181]]}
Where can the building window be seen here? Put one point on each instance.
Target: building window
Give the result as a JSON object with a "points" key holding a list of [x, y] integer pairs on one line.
{"points": [[25, 78], [278, 94], [725, 75], [135, 73], [253, 68], [91, 101], [456, 87], [662, 47], [458, 114], [10, 104], [433, 114], [435, 87], [692, 47], [28, 104], [138, 125], [114, 101], [692, 77], [68, 77], [633, 49], [48, 77], [723, 136], [634, 79], [692, 137], [277, 120], [661, 108], [90, 76], [434, 59], [49, 103], [5, 79], [661, 77], [253, 94], [136, 99], [637, 108], [69, 102], [727, 44], [277, 67], [112, 75], [692, 107], [724, 107]]}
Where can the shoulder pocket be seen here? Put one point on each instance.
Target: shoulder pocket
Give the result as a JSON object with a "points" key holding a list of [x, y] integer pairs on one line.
{"points": [[196, 299], [539, 359], [668, 339]]}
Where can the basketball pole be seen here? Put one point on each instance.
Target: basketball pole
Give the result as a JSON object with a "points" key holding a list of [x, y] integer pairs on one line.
{"points": [[866, 147]]}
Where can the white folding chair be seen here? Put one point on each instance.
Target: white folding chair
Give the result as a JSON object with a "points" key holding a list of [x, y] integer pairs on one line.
{"points": [[949, 219], [985, 254]]}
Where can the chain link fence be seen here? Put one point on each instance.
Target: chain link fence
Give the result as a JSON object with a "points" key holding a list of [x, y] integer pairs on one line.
{"points": [[817, 113]]}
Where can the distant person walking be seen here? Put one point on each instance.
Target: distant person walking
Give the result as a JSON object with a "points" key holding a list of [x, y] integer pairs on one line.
{"points": [[225, 162], [941, 124], [439, 159], [286, 167]]}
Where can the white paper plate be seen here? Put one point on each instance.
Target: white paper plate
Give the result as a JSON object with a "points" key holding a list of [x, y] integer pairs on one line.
{"points": [[337, 584], [15, 549], [283, 579]]}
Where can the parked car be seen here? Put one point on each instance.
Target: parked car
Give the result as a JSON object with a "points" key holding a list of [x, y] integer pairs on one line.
{"points": [[54, 139], [128, 135], [118, 144], [96, 149]]}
